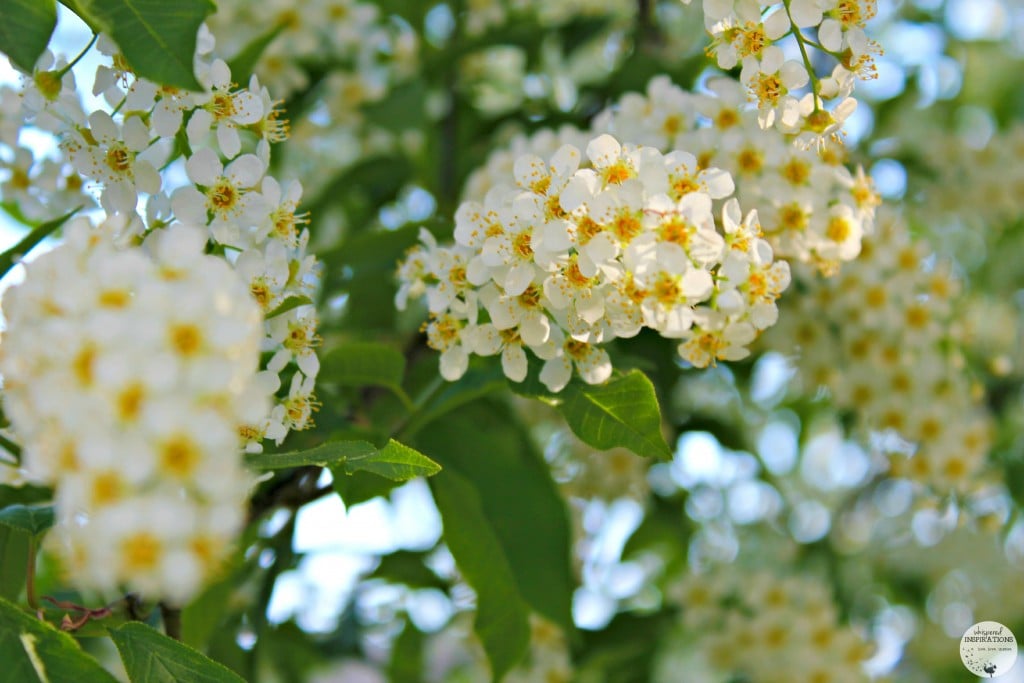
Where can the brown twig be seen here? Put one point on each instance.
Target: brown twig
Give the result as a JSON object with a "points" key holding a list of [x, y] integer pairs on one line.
{"points": [[172, 620]]}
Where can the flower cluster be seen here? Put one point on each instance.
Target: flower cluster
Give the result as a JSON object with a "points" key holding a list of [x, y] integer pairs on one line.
{"points": [[574, 254], [322, 31], [879, 337], [127, 375], [811, 207], [248, 216], [746, 33], [767, 629]]}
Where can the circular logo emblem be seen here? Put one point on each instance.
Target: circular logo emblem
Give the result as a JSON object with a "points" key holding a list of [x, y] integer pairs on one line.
{"points": [[988, 649]]}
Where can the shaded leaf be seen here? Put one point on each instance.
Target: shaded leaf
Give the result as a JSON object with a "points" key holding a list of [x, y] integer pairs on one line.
{"points": [[502, 618], [31, 519], [359, 487], [25, 30], [407, 567], [158, 38], [521, 504], [14, 552], [151, 657], [624, 412], [31, 650], [358, 364], [406, 664], [244, 63]]}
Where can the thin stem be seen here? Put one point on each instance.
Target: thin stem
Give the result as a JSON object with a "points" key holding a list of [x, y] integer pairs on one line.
{"points": [[172, 620], [802, 44], [78, 58]]}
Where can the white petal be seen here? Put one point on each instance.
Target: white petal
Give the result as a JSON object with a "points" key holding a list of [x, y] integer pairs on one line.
{"points": [[228, 140], [103, 127], [513, 362], [204, 167], [198, 126], [248, 108], [136, 134], [454, 363], [556, 373], [245, 171], [604, 150], [220, 74]]}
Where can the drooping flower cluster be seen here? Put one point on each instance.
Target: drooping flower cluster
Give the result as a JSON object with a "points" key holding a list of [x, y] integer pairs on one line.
{"points": [[811, 207], [880, 337], [248, 216], [746, 33], [570, 257], [764, 628], [128, 373]]}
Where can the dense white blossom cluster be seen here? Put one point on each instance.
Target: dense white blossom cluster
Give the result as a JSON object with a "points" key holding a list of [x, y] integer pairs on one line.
{"points": [[128, 373], [880, 337], [764, 628], [249, 217], [811, 207], [575, 253], [140, 358], [746, 33]]}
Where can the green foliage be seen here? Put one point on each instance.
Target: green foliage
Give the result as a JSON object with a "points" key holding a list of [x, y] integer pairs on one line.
{"points": [[28, 242], [25, 29], [158, 38], [519, 502], [32, 650], [394, 461], [501, 616], [289, 304], [151, 657], [363, 364], [30, 519], [624, 412], [14, 553], [243, 63]]}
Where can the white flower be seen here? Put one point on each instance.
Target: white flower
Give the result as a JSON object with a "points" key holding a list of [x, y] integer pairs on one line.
{"points": [[227, 194], [226, 110]]}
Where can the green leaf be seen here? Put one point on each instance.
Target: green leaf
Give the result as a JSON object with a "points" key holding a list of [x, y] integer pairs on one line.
{"points": [[359, 487], [624, 412], [14, 550], [31, 650], [522, 507], [288, 304], [406, 664], [325, 455], [151, 657], [476, 384], [395, 462], [37, 235], [360, 364], [407, 567], [25, 30], [502, 618], [244, 63], [157, 37], [31, 519]]}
